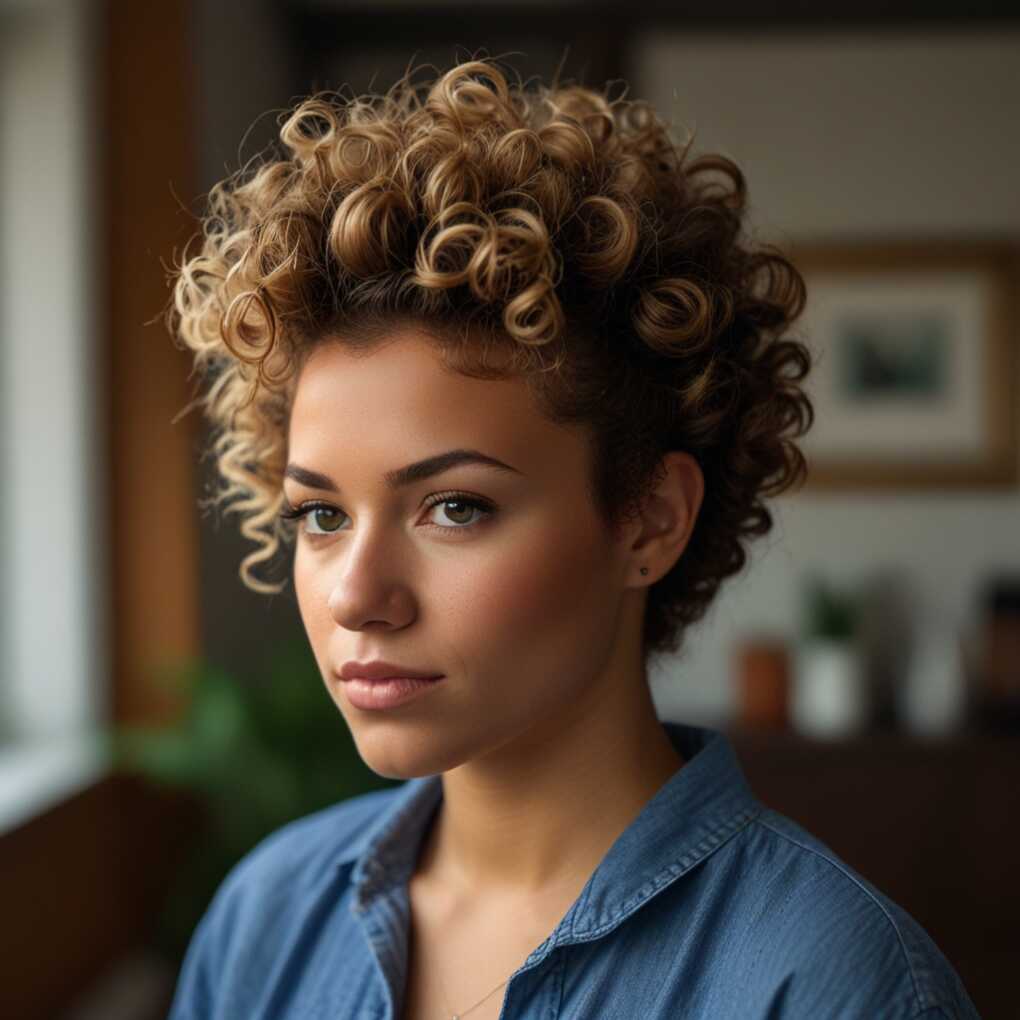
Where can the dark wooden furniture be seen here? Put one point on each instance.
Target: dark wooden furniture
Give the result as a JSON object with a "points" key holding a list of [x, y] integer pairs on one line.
{"points": [[933, 823]]}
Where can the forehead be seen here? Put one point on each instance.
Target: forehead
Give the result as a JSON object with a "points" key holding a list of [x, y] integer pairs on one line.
{"points": [[400, 400]]}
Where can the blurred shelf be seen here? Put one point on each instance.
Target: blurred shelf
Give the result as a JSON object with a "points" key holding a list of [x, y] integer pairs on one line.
{"points": [[876, 741]]}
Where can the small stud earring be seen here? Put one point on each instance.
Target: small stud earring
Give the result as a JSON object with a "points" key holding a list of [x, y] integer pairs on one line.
{"points": [[644, 570]]}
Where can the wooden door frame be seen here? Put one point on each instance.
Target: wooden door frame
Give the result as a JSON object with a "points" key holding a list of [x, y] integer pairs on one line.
{"points": [[82, 882]]}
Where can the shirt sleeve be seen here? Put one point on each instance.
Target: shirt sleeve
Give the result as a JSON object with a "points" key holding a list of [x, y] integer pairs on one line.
{"points": [[848, 974], [193, 994], [838, 949], [944, 1013], [206, 961]]}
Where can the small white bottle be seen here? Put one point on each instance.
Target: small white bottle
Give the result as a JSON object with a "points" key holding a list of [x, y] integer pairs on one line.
{"points": [[932, 700], [830, 695]]}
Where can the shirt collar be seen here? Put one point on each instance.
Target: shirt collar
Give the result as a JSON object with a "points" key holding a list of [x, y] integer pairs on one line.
{"points": [[700, 807]]}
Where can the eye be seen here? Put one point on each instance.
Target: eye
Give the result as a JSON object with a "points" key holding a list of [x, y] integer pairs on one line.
{"points": [[324, 516], [322, 519], [463, 507]]}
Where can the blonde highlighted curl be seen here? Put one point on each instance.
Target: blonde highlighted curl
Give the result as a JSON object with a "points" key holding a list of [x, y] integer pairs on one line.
{"points": [[551, 233]]}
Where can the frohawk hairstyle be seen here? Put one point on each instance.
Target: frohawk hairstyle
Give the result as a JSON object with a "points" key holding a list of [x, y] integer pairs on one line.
{"points": [[547, 232]]}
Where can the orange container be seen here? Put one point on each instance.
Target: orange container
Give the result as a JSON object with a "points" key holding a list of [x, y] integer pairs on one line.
{"points": [[763, 683]]}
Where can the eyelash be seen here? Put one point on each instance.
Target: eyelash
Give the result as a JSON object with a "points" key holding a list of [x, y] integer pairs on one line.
{"points": [[290, 513]]}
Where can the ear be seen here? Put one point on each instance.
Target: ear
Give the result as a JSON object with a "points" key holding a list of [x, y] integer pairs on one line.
{"points": [[661, 533]]}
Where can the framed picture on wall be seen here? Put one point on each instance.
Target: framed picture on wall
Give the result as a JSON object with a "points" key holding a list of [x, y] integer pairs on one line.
{"points": [[916, 365]]}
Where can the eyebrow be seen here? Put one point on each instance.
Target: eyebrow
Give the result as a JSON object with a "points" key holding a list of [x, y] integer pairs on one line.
{"points": [[407, 475]]}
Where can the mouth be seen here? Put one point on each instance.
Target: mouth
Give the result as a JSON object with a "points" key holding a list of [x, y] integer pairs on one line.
{"points": [[380, 670], [386, 692]]}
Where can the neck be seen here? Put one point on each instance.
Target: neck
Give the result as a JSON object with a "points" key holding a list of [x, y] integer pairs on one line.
{"points": [[538, 815]]}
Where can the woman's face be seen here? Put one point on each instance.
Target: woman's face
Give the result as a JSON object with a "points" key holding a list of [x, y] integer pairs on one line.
{"points": [[516, 600]]}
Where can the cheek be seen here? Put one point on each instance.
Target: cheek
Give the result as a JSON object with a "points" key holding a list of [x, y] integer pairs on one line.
{"points": [[544, 589], [311, 594]]}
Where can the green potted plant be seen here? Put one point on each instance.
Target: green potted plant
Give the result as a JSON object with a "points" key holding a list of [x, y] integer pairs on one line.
{"points": [[254, 754], [830, 693]]}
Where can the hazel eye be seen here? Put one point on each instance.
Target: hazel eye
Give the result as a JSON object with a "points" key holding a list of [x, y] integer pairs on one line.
{"points": [[461, 515], [309, 511], [317, 513], [458, 509]]}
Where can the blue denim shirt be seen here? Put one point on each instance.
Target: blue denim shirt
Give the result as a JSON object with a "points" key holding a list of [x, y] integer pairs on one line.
{"points": [[709, 906]]}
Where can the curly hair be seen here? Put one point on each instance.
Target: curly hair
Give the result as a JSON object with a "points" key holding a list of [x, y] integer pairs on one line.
{"points": [[547, 232]]}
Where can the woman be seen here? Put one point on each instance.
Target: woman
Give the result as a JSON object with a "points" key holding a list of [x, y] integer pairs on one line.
{"points": [[501, 366]]}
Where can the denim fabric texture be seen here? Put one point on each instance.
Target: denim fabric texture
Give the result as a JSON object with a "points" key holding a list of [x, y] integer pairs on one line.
{"points": [[709, 906]]}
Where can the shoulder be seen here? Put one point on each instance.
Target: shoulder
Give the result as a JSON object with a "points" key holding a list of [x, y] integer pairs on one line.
{"points": [[301, 849], [270, 895], [830, 942]]}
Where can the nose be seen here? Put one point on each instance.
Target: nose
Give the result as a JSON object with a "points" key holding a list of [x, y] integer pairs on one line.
{"points": [[371, 588]]}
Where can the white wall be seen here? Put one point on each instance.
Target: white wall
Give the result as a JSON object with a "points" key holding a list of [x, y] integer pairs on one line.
{"points": [[52, 550], [860, 136]]}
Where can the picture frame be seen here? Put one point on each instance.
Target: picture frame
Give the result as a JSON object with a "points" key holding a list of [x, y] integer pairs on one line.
{"points": [[915, 363]]}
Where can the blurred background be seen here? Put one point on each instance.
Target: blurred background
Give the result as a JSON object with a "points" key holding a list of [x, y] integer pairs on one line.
{"points": [[866, 662]]}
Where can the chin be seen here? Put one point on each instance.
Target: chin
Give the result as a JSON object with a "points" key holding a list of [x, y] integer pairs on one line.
{"points": [[395, 755]]}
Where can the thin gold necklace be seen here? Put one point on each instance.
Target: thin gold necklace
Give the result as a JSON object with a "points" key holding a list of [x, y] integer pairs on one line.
{"points": [[457, 1016]]}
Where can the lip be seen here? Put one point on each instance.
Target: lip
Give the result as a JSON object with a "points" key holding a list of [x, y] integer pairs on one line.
{"points": [[381, 670], [373, 695]]}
